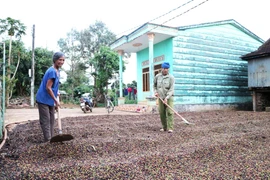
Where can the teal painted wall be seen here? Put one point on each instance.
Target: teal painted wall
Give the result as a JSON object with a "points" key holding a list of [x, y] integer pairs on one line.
{"points": [[207, 65], [163, 48]]}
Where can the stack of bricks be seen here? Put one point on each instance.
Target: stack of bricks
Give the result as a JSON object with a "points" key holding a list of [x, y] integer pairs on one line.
{"points": [[132, 107]]}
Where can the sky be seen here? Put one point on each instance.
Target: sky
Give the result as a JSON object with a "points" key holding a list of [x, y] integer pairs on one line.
{"points": [[54, 18]]}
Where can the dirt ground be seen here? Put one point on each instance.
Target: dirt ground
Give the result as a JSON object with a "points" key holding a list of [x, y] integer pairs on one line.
{"points": [[28, 114], [220, 145]]}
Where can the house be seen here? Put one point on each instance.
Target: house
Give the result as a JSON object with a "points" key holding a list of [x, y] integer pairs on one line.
{"points": [[258, 76], [205, 61]]}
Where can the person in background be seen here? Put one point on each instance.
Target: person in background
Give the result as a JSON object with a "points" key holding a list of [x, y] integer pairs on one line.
{"points": [[47, 94], [135, 93], [87, 100], [125, 92], [164, 89], [132, 93], [129, 92]]}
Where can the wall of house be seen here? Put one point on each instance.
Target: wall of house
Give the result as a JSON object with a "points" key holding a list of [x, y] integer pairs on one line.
{"points": [[162, 52], [259, 72], [208, 70]]}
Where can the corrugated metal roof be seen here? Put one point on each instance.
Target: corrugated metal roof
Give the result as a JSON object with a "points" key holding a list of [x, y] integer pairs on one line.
{"points": [[262, 51], [228, 21]]}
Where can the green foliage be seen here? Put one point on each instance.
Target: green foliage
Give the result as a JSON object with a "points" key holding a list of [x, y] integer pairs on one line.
{"points": [[76, 74], [81, 90], [13, 27], [94, 37], [21, 57], [17, 29], [100, 105], [22, 81], [93, 41], [83, 50], [132, 84], [2, 55], [87, 48], [131, 101], [106, 63], [43, 60]]}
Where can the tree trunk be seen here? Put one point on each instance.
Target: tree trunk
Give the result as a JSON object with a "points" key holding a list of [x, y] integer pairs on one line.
{"points": [[11, 85], [8, 73]]}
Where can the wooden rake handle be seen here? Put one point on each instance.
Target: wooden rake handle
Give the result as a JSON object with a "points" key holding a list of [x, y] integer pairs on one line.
{"points": [[59, 118], [175, 111], [59, 121]]}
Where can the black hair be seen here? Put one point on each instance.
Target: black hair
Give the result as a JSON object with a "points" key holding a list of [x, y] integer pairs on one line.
{"points": [[57, 55]]}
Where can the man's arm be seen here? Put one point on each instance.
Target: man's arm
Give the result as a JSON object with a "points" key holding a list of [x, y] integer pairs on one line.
{"points": [[171, 90], [49, 90]]}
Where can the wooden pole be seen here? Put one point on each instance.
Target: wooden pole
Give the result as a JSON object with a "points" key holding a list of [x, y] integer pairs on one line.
{"points": [[33, 68]]}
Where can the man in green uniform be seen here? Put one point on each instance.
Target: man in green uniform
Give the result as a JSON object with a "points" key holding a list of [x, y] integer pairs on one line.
{"points": [[164, 88]]}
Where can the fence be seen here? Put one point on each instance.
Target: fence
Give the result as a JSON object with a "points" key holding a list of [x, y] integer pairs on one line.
{"points": [[2, 110], [2, 93]]}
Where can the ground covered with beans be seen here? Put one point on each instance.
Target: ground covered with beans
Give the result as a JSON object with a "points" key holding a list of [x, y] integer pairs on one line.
{"points": [[220, 145]]}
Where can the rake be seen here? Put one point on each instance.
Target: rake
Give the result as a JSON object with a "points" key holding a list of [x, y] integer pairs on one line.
{"points": [[175, 112]]}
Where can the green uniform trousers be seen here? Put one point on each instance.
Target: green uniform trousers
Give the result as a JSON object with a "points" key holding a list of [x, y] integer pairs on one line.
{"points": [[166, 114]]}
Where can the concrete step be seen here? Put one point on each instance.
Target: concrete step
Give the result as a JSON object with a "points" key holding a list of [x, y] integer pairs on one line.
{"points": [[142, 103]]}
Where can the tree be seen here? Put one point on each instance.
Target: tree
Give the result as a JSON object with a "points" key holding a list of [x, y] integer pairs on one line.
{"points": [[18, 55], [106, 63], [70, 46], [93, 38], [19, 71], [80, 49], [133, 84], [43, 60], [17, 29], [22, 81]]}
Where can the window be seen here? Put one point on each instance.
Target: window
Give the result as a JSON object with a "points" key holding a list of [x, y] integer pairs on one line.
{"points": [[146, 76]]}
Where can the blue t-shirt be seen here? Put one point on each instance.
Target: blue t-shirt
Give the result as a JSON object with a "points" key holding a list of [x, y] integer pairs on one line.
{"points": [[42, 94]]}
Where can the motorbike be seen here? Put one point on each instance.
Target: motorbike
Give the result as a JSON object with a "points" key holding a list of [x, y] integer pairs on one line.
{"points": [[86, 104]]}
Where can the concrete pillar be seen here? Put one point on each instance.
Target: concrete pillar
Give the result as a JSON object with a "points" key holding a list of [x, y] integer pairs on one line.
{"points": [[254, 101], [151, 99], [151, 62], [121, 99]]}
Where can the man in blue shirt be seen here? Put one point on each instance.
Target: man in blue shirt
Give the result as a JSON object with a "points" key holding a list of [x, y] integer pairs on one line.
{"points": [[47, 94]]}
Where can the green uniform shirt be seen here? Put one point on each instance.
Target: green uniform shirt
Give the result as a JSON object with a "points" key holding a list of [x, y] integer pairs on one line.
{"points": [[164, 85]]}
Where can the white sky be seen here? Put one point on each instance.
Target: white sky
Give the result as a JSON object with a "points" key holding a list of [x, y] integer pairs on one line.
{"points": [[54, 18]]}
